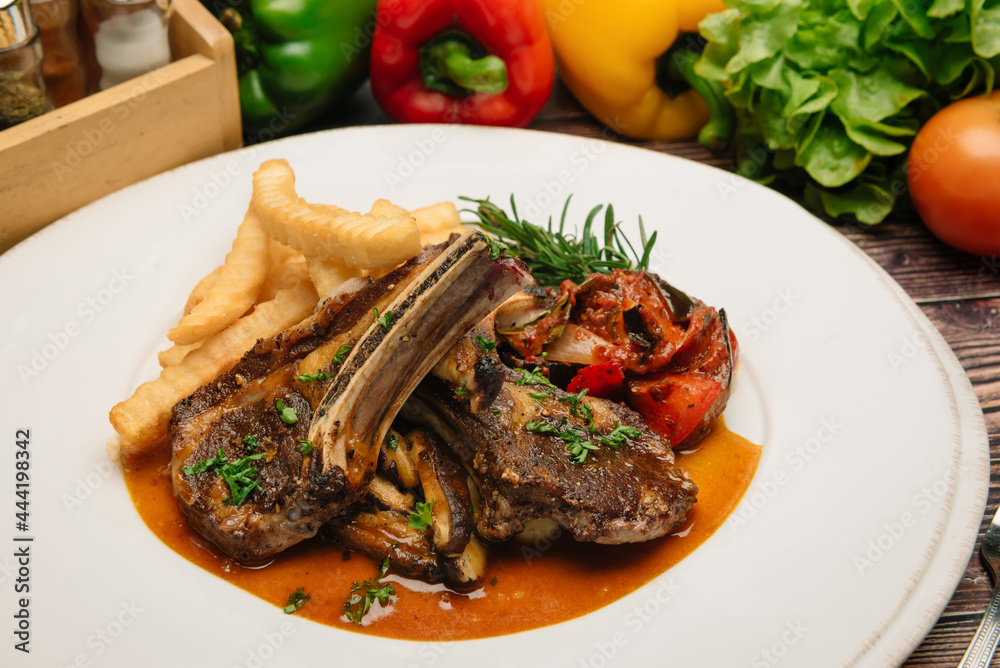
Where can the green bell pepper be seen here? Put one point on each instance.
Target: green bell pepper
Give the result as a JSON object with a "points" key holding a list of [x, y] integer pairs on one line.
{"points": [[296, 58]]}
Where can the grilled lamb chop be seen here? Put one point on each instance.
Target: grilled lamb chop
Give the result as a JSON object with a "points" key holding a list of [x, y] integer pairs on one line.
{"points": [[431, 302], [633, 494], [472, 371]]}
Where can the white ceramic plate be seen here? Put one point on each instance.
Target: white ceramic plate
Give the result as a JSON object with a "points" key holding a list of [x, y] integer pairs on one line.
{"points": [[861, 519]]}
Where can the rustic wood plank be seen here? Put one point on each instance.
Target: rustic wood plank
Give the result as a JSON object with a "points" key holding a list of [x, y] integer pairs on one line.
{"points": [[971, 329], [926, 268]]}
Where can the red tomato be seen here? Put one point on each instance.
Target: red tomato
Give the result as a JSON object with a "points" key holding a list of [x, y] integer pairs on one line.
{"points": [[601, 380], [673, 405], [954, 174]]}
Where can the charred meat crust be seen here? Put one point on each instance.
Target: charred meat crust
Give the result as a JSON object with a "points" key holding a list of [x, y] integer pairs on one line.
{"points": [[452, 294], [631, 495], [334, 316], [297, 493], [370, 343], [286, 478], [241, 402], [466, 367]]}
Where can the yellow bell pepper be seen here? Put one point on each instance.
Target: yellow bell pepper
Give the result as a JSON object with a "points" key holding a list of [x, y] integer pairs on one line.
{"points": [[607, 53]]}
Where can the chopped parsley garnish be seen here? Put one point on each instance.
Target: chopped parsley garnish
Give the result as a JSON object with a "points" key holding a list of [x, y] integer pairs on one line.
{"points": [[618, 435], [494, 410], [362, 595], [239, 475], [296, 600], [496, 248], [577, 407], [338, 356], [422, 518], [305, 447], [391, 441], [288, 414], [206, 464], [579, 450], [538, 396], [535, 377], [385, 319], [485, 345], [250, 443], [460, 392], [313, 377], [578, 447]]}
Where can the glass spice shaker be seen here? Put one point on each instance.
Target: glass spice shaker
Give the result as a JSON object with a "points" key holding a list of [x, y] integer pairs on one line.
{"points": [[63, 67], [22, 89], [128, 38]]}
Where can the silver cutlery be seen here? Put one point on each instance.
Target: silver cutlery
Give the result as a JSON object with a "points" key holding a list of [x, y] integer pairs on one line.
{"points": [[980, 652]]}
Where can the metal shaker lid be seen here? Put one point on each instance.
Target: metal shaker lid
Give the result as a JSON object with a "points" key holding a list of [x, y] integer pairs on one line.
{"points": [[17, 25]]}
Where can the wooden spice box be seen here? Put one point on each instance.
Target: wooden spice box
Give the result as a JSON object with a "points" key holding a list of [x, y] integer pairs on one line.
{"points": [[189, 109]]}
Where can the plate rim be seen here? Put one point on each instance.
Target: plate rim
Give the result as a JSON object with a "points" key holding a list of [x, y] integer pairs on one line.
{"points": [[881, 647]]}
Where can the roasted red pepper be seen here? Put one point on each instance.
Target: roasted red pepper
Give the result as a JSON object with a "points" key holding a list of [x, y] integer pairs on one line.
{"points": [[600, 380], [673, 406], [485, 62]]}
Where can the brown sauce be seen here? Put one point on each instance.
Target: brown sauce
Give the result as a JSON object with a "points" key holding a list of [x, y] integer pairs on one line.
{"points": [[535, 585]]}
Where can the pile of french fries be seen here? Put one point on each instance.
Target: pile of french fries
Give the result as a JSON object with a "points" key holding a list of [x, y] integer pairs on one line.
{"points": [[287, 254]]}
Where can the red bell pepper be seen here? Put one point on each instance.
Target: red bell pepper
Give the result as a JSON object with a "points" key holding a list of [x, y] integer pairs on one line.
{"points": [[601, 380], [673, 406], [486, 62]]}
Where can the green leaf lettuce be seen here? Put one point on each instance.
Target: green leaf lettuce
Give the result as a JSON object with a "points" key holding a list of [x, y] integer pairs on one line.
{"points": [[833, 91]]}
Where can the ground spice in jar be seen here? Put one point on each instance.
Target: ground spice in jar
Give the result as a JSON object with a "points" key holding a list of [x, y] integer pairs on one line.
{"points": [[22, 89], [19, 101]]}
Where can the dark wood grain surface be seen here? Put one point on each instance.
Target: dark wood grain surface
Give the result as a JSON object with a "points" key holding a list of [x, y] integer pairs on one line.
{"points": [[959, 293]]}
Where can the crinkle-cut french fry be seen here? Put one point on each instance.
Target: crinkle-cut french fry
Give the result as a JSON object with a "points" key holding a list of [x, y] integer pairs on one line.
{"points": [[281, 253], [174, 355], [235, 288], [441, 235], [142, 419], [286, 271], [361, 241], [383, 207], [436, 217], [327, 276], [201, 289]]}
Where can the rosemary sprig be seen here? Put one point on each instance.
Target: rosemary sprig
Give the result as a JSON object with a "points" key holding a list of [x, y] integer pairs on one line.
{"points": [[556, 254]]}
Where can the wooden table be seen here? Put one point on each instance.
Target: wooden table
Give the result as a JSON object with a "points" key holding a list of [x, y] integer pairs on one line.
{"points": [[959, 293]]}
